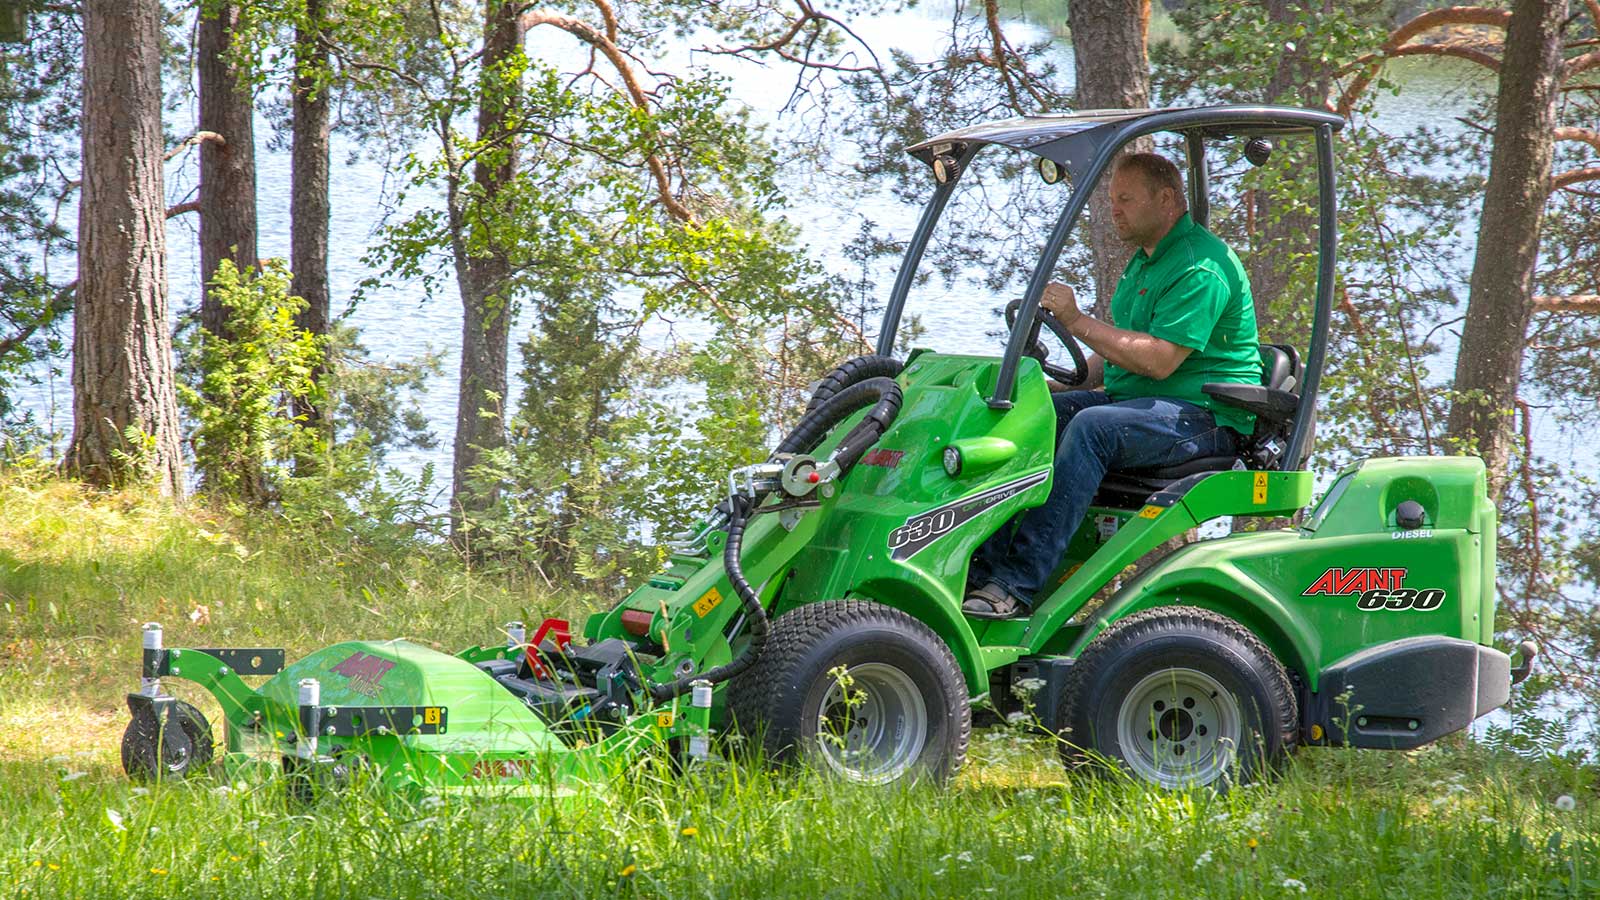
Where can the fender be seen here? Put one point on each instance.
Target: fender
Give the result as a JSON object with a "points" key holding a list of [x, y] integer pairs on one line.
{"points": [[939, 614], [1200, 575]]}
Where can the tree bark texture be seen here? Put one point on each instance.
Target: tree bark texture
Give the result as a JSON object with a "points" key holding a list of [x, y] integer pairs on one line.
{"points": [[228, 167], [482, 273], [122, 372], [1112, 68], [1494, 333], [308, 197]]}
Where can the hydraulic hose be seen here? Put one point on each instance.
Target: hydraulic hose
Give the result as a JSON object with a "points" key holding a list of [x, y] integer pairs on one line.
{"points": [[749, 600], [851, 371], [884, 393], [816, 424]]}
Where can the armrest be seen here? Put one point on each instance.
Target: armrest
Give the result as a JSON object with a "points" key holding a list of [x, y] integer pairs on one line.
{"points": [[1268, 403]]}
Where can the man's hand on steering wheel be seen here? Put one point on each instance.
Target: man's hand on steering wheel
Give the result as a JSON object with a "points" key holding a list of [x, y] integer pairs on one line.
{"points": [[1061, 301], [1047, 317]]}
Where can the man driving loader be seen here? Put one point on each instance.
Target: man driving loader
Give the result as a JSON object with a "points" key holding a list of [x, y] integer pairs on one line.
{"points": [[1187, 319]]}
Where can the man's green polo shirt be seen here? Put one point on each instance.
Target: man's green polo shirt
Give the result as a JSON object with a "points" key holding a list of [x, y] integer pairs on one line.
{"points": [[1193, 292]]}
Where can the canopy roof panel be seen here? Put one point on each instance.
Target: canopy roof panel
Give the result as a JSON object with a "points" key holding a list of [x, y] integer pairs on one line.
{"points": [[1074, 138]]}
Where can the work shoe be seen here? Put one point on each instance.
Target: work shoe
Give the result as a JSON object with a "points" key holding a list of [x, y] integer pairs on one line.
{"points": [[993, 601]]}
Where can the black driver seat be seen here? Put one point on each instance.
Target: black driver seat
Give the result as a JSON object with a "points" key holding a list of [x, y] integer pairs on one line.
{"points": [[1274, 402]]}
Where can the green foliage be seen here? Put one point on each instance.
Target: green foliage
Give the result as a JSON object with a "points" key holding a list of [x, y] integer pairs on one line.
{"points": [[241, 390]]}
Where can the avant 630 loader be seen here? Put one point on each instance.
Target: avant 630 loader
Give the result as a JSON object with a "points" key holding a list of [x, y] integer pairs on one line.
{"points": [[1369, 624]]}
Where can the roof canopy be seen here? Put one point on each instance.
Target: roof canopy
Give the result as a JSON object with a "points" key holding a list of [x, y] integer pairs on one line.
{"points": [[1074, 139]]}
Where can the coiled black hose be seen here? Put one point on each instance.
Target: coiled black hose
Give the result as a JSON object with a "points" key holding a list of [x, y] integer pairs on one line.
{"points": [[806, 436]]}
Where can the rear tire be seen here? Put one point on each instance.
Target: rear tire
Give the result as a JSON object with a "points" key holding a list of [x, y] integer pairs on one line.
{"points": [[901, 713], [1179, 696]]}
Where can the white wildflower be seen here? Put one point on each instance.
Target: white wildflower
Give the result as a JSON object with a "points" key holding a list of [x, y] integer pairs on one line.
{"points": [[1294, 884], [964, 856], [115, 818], [1202, 860], [73, 776], [140, 791], [1025, 857], [1013, 718], [222, 790], [1565, 802]]}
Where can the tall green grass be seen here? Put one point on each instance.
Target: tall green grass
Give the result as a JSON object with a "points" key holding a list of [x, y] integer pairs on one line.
{"points": [[79, 572]]}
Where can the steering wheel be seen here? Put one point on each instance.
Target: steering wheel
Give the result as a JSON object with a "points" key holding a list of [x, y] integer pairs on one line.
{"points": [[1036, 349]]}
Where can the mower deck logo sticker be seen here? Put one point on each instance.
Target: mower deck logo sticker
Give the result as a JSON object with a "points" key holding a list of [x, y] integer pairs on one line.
{"points": [[707, 602], [922, 530], [364, 671], [1378, 589]]}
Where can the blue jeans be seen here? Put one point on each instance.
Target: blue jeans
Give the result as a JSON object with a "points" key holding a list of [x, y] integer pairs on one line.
{"points": [[1093, 436]]}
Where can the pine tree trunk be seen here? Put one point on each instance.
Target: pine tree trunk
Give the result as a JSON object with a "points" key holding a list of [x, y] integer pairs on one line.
{"points": [[121, 342], [1494, 334], [1112, 69], [482, 274], [227, 168], [308, 195]]}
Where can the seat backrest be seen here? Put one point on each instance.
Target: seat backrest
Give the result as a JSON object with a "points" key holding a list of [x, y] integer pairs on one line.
{"points": [[1279, 363]]}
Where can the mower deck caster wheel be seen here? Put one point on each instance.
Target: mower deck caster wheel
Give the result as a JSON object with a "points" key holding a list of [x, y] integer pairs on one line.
{"points": [[145, 757], [1178, 696]]}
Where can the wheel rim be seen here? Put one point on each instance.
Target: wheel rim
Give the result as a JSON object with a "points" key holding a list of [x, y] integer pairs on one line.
{"points": [[1179, 727], [879, 736]]}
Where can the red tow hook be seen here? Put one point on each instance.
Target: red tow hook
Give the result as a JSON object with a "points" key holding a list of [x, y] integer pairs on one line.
{"points": [[560, 630]]}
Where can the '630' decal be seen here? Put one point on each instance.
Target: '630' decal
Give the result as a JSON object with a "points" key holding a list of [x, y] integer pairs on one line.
{"points": [[921, 530], [1401, 598]]}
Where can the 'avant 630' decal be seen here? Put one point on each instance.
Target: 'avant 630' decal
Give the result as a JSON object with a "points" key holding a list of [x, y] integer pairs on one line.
{"points": [[1377, 589], [921, 530]]}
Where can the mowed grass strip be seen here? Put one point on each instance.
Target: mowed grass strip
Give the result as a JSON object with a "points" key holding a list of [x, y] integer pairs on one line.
{"points": [[80, 572]]}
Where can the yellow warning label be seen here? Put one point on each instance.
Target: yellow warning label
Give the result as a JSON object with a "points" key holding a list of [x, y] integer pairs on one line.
{"points": [[707, 602], [1150, 512], [664, 719], [430, 715], [1259, 495]]}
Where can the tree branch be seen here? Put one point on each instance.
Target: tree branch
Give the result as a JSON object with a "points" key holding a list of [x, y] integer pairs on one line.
{"points": [[199, 137], [1592, 138], [1576, 176], [587, 33], [1401, 38], [1578, 64], [1587, 304], [181, 208]]}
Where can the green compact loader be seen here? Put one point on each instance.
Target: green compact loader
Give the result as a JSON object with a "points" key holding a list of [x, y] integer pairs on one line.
{"points": [[817, 608]]}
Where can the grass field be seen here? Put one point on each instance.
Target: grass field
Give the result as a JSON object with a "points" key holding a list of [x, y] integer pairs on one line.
{"points": [[79, 573]]}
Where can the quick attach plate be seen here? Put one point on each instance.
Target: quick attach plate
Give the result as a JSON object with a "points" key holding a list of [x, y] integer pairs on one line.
{"points": [[357, 721]]}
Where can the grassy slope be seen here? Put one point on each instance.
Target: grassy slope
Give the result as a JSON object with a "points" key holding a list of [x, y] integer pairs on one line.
{"points": [[78, 574]]}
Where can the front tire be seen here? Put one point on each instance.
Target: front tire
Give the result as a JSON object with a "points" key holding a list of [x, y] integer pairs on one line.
{"points": [[1179, 696], [900, 711]]}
